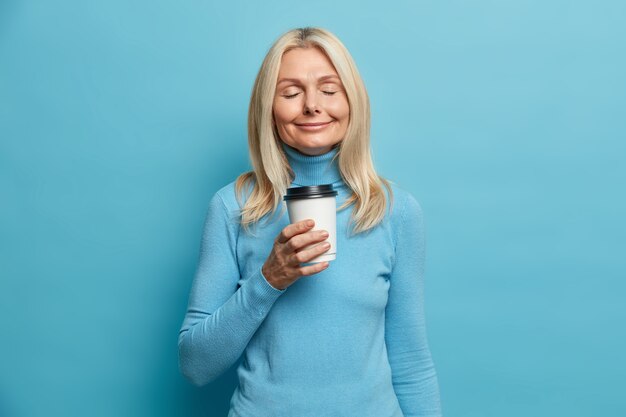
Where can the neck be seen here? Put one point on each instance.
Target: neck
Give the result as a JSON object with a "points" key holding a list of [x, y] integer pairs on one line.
{"points": [[313, 170]]}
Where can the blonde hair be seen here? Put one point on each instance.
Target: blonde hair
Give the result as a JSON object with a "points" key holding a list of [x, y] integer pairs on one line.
{"points": [[272, 175]]}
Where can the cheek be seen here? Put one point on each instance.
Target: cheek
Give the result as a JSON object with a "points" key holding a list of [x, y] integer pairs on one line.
{"points": [[340, 110], [285, 112]]}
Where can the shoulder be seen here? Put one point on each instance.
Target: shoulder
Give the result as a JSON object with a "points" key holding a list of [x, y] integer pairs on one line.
{"points": [[223, 207], [406, 222], [406, 216], [403, 206], [232, 196], [226, 194]]}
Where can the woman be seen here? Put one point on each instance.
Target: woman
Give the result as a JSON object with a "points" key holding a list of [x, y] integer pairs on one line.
{"points": [[340, 339]]}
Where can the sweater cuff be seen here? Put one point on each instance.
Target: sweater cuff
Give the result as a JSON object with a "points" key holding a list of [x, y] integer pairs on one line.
{"points": [[261, 294]]}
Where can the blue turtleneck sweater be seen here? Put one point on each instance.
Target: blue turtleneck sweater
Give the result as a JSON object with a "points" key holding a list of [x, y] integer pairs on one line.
{"points": [[349, 341]]}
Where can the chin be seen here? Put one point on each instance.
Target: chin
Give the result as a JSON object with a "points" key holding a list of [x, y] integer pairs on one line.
{"points": [[313, 147]]}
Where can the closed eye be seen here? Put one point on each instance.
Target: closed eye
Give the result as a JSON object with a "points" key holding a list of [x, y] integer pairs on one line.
{"points": [[328, 93]]}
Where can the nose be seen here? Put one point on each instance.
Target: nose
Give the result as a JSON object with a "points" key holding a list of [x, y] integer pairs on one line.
{"points": [[310, 106]]}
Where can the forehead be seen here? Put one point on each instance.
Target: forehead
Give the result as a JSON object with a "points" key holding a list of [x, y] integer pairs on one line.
{"points": [[305, 62]]}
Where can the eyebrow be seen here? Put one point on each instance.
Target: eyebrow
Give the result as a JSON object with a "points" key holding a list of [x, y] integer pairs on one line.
{"points": [[295, 80]]}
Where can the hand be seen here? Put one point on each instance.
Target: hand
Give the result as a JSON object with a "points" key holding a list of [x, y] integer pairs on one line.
{"points": [[282, 267]]}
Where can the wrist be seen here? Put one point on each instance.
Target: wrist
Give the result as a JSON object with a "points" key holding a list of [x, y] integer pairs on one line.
{"points": [[266, 275], [269, 279]]}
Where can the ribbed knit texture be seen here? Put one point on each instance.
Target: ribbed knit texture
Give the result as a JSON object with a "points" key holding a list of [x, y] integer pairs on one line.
{"points": [[349, 341]]}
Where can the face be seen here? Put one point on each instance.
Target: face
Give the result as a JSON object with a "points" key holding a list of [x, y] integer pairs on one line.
{"points": [[311, 110]]}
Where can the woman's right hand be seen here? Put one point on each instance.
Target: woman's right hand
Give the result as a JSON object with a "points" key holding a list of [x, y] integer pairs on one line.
{"points": [[282, 267]]}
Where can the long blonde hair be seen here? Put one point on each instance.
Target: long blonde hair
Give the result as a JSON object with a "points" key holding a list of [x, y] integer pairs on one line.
{"points": [[272, 175]]}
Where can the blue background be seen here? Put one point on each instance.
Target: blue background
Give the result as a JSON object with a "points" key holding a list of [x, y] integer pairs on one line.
{"points": [[120, 119]]}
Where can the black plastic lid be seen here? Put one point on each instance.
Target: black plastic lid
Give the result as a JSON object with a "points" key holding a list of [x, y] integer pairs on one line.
{"points": [[311, 191]]}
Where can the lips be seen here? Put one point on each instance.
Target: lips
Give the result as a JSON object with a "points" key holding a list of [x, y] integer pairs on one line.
{"points": [[312, 124], [313, 127]]}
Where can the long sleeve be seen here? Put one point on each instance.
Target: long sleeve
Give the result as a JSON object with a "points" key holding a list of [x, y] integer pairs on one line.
{"points": [[413, 372], [221, 318]]}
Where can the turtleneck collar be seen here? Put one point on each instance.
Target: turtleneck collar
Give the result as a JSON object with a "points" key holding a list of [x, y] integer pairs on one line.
{"points": [[313, 170]]}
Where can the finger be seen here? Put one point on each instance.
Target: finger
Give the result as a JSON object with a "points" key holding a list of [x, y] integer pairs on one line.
{"points": [[305, 239], [308, 254], [313, 269], [293, 229]]}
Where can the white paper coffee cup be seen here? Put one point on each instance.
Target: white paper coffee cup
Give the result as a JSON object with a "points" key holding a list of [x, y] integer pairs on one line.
{"points": [[317, 202]]}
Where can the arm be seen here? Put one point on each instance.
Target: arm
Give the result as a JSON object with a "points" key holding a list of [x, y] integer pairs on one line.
{"points": [[220, 319], [413, 372]]}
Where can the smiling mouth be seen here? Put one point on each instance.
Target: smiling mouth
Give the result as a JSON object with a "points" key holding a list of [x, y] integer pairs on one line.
{"points": [[313, 124]]}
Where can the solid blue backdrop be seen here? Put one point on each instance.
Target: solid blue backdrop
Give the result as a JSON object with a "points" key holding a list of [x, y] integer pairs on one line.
{"points": [[120, 119]]}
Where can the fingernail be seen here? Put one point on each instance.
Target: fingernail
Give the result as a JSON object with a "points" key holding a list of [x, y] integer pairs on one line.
{"points": [[309, 223], [326, 245], [324, 234]]}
